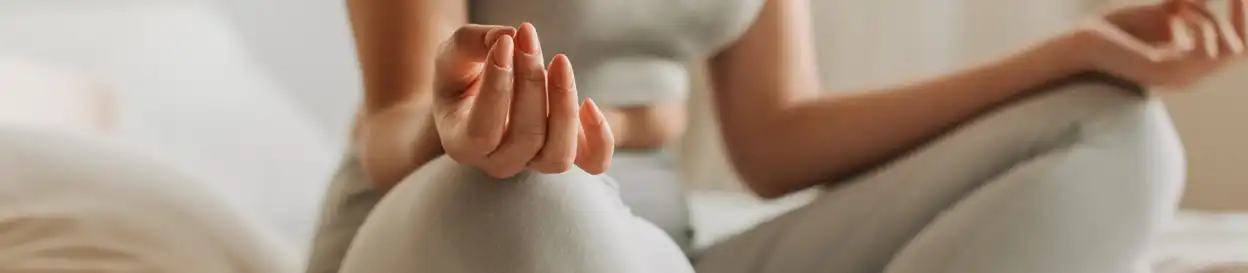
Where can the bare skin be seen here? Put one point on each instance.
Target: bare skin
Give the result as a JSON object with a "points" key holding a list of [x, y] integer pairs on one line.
{"points": [[483, 77], [782, 135]]}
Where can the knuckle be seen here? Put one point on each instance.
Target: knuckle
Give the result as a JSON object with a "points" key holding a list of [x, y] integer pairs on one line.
{"points": [[481, 138], [502, 171], [466, 153], [462, 35], [495, 173], [460, 156], [527, 148], [553, 165], [558, 89], [533, 137], [534, 75], [444, 49], [597, 168]]}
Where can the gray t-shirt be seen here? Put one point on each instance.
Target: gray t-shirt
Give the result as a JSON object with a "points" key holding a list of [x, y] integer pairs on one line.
{"points": [[627, 52]]}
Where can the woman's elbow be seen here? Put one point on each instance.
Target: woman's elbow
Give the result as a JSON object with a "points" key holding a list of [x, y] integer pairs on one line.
{"points": [[766, 170], [765, 190], [763, 179]]}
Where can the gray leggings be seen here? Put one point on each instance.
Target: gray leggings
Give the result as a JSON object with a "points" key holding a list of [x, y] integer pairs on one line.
{"points": [[650, 186], [1074, 180]]}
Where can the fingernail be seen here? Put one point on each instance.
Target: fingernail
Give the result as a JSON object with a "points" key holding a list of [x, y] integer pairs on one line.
{"points": [[1182, 36], [561, 68], [503, 50], [530, 43], [490, 38], [595, 113]]}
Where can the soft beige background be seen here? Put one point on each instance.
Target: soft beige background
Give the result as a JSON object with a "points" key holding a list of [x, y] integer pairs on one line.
{"points": [[866, 44], [1213, 126]]}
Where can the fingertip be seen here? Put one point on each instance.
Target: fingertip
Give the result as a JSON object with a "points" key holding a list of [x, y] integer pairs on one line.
{"points": [[595, 169], [502, 52], [1231, 39], [1180, 35], [560, 71], [591, 113], [527, 38], [491, 36], [584, 112], [598, 142], [526, 27], [561, 63], [595, 124], [1211, 40], [501, 173]]}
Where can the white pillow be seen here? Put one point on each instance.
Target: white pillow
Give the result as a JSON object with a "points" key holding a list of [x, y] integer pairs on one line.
{"points": [[76, 204], [187, 88]]}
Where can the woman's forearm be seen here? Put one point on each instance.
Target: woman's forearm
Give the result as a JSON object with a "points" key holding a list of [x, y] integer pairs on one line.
{"points": [[396, 42], [800, 144], [392, 143]]}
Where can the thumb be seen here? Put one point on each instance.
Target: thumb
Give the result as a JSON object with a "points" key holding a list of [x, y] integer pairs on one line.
{"points": [[460, 57]]}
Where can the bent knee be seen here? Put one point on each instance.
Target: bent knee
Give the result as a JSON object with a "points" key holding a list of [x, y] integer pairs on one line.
{"points": [[1126, 127], [1055, 117], [1120, 137], [447, 183], [1075, 100], [1075, 111], [454, 218], [1129, 125]]}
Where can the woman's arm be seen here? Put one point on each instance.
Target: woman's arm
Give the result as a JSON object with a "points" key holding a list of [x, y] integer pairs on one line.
{"points": [[397, 41], [783, 137]]}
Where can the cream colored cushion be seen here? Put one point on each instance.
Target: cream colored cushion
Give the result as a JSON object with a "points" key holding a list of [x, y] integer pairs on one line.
{"points": [[77, 204]]}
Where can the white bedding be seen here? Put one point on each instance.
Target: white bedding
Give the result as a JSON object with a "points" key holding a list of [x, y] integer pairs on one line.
{"points": [[1193, 240], [187, 87]]}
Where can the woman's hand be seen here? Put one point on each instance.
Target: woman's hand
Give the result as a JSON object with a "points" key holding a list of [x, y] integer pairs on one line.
{"points": [[1173, 44], [498, 108]]}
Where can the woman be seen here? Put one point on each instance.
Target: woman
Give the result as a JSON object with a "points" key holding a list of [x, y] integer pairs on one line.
{"points": [[1036, 166]]}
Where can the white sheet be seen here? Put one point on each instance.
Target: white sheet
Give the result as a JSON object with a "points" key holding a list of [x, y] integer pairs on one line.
{"points": [[1199, 239], [190, 90], [1192, 241]]}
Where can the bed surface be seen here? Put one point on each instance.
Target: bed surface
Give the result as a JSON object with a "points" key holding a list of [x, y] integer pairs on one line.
{"points": [[1192, 241]]}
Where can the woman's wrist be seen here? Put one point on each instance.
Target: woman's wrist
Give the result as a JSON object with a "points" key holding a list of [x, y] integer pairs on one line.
{"points": [[394, 141], [1066, 54]]}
